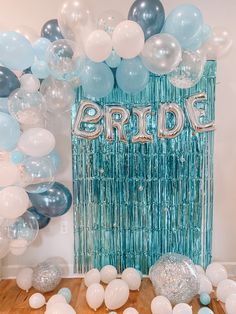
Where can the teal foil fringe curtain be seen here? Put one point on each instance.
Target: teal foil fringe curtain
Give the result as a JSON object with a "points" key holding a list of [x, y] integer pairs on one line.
{"points": [[135, 202]]}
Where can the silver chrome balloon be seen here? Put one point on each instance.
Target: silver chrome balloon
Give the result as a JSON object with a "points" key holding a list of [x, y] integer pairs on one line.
{"points": [[142, 136]]}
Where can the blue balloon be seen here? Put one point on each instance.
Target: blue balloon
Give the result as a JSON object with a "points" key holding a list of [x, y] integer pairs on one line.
{"points": [[184, 22], [132, 76], [55, 158], [205, 310], [198, 40], [40, 69], [9, 132], [8, 82], [43, 221], [4, 105], [40, 48], [16, 52], [205, 298], [17, 157], [66, 293], [51, 30], [97, 79], [149, 14], [54, 202], [113, 61]]}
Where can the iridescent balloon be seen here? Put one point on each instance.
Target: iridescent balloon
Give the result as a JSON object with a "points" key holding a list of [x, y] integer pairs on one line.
{"points": [[149, 14], [46, 277], [51, 30], [108, 20], [161, 54], [175, 277], [189, 71], [43, 221], [54, 202], [8, 82], [27, 107]]}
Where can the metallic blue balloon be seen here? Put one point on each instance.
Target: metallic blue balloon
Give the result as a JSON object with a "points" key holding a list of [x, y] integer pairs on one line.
{"points": [[54, 202], [132, 76], [8, 82], [149, 14], [51, 30], [43, 221]]}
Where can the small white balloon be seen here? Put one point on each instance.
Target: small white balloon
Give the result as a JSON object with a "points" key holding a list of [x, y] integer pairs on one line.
{"points": [[230, 304], [200, 270], [95, 295], [130, 310], [182, 308], [108, 273], [37, 142], [60, 308], [30, 83], [24, 279], [216, 272], [205, 285], [116, 294], [98, 46], [92, 276], [161, 305], [128, 39], [37, 300], [9, 174], [132, 277], [224, 289], [57, 298]]}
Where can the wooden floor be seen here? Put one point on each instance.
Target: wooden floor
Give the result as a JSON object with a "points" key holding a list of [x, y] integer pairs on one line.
{"points": [[15, 301]]}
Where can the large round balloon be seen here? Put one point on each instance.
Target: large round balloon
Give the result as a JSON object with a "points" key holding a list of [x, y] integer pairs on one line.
{"points": [[97, 79], [54, 202], [40, 47], [184, 22], [9, 174], [132, 76], [9, 132], [43, 221], [108, 20], [98, 46], [51, 30], [8, 82], [149, 14], [40, 69], [16, 51]]}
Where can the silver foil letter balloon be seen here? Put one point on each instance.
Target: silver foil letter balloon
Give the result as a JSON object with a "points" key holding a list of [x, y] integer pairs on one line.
{"points": [[142, 136]]}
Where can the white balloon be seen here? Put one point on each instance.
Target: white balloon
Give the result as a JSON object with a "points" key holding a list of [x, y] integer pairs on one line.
{"points": [[128, 39], [130, 310], [200, 270], [37, 142], [95, 296], [230, 304], [182, 308], [116, 294], [98, 46], [24, 279], [14, 202], [57, 298], [9, 174], [224, 289], [205, 285], [36, 301], [30, 83], [132, 277], [161, 305], [216, 273], [92, 276], [108, 273], [60, 308]]}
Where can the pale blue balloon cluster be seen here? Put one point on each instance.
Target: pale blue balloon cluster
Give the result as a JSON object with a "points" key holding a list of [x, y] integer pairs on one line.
{"points": [[205, 298], [205, 310]]}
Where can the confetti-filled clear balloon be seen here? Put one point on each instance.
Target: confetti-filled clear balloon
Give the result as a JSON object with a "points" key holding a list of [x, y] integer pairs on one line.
{"points": [[171, 272], [59, 95], [46, 277], [26, 107], [108, 20], [189, 72]]}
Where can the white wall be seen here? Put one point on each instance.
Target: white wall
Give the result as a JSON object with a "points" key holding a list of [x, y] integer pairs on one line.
{"points": [[51, 241]]}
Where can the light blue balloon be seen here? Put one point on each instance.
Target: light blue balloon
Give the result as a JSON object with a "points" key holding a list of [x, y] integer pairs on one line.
{"points": [[66, 293], [40, 48], [4, 104], [184, 22], [198, 40], [17, 157], [205, 310], [132, 76], [205, 298], [9, 132], [40, 69], [16, 52], [113, 61], [97, 79], [55, 158]]}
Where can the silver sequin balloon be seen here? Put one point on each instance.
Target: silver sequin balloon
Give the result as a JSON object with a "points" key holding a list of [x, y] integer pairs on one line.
{"points": [[46, 277], [175, 277]]}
